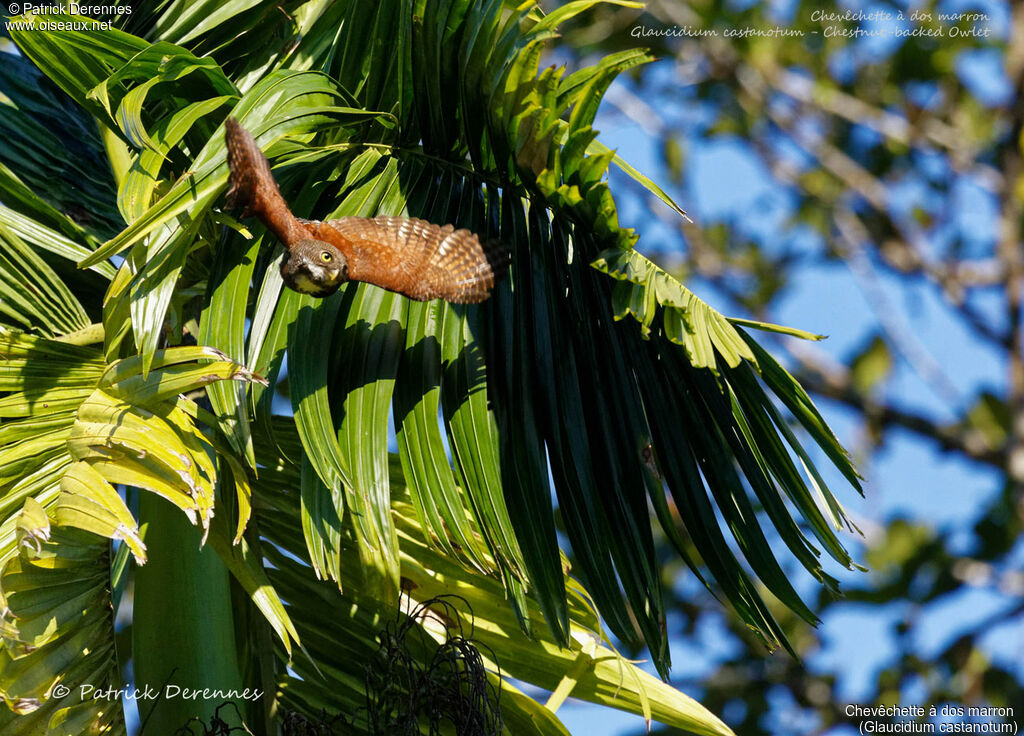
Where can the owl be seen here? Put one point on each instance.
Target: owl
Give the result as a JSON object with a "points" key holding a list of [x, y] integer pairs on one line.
{"points": [[405, 255]]}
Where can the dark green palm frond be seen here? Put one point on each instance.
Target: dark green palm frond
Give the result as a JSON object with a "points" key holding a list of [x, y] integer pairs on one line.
{"points": [[57, 204], [615, 399], [54, 146], [348, 642]]}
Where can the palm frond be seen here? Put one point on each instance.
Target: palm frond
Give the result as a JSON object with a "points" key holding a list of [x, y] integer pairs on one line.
{"points": [[595, 671]]}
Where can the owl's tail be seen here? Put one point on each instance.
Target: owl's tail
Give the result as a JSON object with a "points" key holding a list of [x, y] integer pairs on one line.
{"points": [[253, 187]]}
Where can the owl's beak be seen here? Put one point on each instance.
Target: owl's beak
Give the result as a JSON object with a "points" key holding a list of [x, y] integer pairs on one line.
{"points": [[338, 273]]}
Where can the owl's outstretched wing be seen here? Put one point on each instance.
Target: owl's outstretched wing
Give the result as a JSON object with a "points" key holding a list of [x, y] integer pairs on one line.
{"points": [[414, 257], [253, 187]]}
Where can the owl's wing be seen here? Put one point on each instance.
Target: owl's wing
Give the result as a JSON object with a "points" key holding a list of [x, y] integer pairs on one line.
{"points": [[414, 257], [253, 187]]}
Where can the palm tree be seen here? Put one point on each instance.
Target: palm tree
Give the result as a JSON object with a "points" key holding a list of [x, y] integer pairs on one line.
{"points": [[379, 583]]}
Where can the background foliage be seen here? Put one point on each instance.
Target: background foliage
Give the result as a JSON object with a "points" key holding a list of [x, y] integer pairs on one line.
{"points": [[869, 187]]}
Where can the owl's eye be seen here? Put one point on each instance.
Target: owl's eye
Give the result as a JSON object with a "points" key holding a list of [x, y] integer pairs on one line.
{"points": [[326, 257]]}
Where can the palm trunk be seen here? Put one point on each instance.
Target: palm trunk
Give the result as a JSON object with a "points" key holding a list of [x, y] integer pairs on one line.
{"points": [[183, 628]]}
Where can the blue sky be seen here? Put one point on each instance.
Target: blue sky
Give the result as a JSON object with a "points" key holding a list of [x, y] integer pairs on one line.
{"points": [[908, 478]]}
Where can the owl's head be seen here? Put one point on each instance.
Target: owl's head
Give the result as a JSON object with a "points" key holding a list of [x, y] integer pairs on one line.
{"points": [[314, 267]]}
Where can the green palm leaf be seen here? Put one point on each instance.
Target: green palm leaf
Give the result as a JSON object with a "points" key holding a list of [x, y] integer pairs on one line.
{"points": [[601, 675]]}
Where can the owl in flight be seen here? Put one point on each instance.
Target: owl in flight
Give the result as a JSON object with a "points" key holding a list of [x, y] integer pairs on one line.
{"points": [[401, 254]]}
